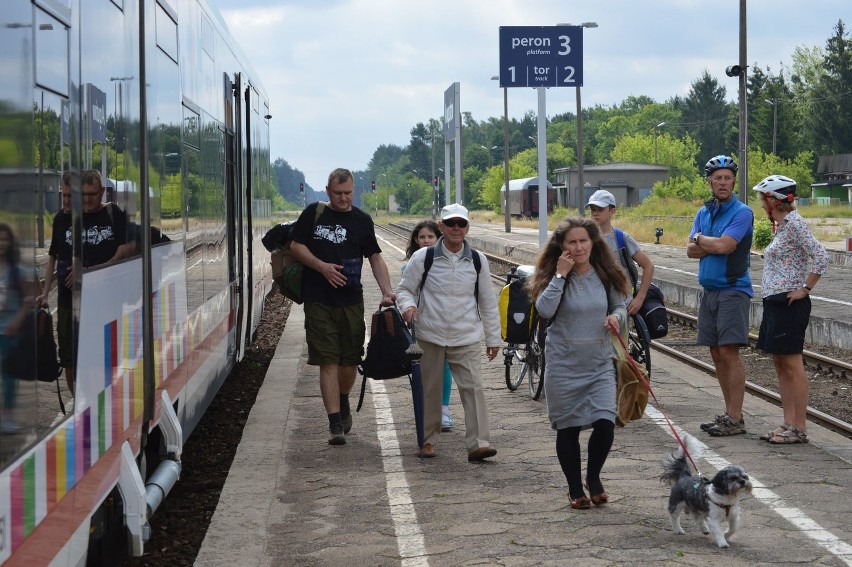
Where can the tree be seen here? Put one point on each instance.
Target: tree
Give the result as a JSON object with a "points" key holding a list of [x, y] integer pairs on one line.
{"points": [[831, 107], [705, 112]]}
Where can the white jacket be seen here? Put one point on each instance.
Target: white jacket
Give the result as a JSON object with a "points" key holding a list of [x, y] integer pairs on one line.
{"points": [[447, 311]]}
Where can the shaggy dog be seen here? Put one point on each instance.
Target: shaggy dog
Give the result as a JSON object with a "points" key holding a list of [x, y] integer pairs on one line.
{"points": [[711, 502]]}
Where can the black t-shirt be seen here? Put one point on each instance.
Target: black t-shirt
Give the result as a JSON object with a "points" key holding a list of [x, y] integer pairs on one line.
{"points": [[343, 238], [102, 233], [61, 248]]}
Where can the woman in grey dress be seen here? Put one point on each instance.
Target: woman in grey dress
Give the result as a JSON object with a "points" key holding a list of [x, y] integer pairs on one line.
{"points": [[578, 285]]}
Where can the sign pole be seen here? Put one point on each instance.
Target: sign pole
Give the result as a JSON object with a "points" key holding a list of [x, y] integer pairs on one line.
{"points": [[542, 166]]}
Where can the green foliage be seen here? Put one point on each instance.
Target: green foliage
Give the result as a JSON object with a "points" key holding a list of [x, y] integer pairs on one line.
{"points": [[685, 188], [489, 196], [762, 233], [761, 165]]}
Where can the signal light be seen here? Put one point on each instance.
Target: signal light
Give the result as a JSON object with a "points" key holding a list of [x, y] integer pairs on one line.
{"points": [[373, 185], [734, 71], [301, 187], [435, 181]]}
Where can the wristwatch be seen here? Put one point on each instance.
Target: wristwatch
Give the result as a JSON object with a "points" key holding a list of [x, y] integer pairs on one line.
{"points": [[559, 276], [695, 238]]}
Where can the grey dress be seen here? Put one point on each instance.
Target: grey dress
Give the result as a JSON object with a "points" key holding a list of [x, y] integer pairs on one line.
{"points": [[579, 376]]}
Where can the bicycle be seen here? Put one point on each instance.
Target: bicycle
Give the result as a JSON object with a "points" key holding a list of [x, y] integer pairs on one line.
{"points": [[639, 341], [529, 355]]}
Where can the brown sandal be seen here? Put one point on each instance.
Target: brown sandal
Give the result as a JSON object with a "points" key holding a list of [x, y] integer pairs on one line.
{"points": [[777, 431], [581, 503], [792, 435]]}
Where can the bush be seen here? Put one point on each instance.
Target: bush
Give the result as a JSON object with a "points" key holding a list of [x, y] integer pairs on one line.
{"points": [[762, 233]]}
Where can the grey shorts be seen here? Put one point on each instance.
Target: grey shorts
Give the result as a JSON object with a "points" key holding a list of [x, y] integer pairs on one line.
{"points": [[723, 317]]}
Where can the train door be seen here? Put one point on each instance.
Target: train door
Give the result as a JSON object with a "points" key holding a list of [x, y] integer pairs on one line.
{"points": [[235, 180]]}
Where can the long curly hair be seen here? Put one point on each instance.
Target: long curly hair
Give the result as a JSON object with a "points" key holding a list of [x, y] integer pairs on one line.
{"points": [[601, 258], [413, 246]]}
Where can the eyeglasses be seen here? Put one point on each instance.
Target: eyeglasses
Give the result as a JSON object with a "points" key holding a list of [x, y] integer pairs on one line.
{"points": [[722, 178], [461, 223]]}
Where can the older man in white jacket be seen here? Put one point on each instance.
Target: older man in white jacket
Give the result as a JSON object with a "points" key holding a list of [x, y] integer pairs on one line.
{"points": [[451, 320]]}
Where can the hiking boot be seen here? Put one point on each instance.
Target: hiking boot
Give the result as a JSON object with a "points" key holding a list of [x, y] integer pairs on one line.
{"points": [[336, 436], [346, 417], [716, 421], [446, 422], [727, 427]]}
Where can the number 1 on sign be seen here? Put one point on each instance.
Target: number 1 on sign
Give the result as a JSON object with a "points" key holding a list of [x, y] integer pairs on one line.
{"points": [[512, 71]]}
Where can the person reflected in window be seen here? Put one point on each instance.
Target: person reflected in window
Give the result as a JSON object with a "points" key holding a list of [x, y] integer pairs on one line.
{"points": [[104, 226], [15, 297], [60, 256]]}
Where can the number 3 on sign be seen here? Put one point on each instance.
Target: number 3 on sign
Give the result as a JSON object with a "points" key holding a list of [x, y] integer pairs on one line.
{"points": [[569, 74], [565, 41]]}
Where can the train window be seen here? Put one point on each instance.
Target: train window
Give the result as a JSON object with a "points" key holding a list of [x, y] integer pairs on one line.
{"points": [[167, 33], [191, 132], [194, 246], [51, 42], [208, 37], [60, 9]]}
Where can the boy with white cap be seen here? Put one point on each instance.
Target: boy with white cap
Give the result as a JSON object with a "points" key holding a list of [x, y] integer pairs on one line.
{"points": [[602, 205]]}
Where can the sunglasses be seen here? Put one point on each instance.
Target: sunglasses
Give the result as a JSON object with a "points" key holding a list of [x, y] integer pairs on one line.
{"points": [[461, 223]]}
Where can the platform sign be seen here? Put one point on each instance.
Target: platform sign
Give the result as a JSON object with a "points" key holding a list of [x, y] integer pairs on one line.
{"points": [[541, 56]]}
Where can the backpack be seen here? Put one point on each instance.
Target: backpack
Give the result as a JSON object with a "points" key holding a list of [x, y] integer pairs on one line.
{"points": [[387, 351], [653, 310], [22, 362], [286, 271], [517, 312]]}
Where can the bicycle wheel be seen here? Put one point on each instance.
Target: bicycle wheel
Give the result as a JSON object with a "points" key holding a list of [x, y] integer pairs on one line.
{"points": [[535, 358], [514, 358], [639, 342]]}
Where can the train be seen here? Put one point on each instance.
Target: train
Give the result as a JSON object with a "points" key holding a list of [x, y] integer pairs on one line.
{"points": [[523, 197], [156, 96]]}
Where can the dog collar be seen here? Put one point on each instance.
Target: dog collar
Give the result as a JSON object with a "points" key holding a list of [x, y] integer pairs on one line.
{"points": [[727, 507]]}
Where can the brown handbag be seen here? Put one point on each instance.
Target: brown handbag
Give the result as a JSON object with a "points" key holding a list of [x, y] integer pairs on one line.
{"points": [[631, 383]]}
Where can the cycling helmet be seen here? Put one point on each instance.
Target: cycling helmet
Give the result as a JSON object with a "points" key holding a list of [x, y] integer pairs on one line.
{"points": [[720, 162], [778, 186]]}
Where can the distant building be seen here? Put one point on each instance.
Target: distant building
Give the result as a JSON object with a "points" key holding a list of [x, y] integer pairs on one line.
{"points": [[630, 183], [835, 187]]}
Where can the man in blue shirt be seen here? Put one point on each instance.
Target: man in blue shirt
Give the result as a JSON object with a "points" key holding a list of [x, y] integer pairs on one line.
{"points": [[721, 238]]}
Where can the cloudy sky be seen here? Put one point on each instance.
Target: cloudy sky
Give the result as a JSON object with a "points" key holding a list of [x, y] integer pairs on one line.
{"points": [[345, 76]]}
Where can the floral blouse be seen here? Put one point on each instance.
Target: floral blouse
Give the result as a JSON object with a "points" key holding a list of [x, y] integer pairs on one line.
{"points": [[791, 256]]}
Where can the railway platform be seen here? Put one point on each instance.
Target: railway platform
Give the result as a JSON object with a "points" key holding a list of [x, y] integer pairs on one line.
{"points": [[292, 499]]}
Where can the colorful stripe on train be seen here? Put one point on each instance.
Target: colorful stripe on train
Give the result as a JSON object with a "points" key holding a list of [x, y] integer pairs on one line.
{"points": [[37, 482]]}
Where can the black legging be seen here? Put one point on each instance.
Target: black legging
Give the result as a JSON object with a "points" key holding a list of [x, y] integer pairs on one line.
{"points": [[568, 452]]}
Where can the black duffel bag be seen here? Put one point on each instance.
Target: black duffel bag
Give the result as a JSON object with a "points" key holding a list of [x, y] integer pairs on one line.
{"points": [[653, 312]]}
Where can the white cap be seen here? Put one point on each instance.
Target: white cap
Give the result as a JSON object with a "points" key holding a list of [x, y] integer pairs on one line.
{"points": [[601, 198], [454, 211]]}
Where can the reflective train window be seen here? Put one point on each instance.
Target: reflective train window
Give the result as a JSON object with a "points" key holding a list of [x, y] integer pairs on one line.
{"points": [[51, 42]]}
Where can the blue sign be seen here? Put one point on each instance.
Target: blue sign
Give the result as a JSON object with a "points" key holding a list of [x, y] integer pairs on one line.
{"points": [[539, 56]]}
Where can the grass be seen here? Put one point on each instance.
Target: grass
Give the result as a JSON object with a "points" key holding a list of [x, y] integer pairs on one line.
{"points": [[674, 216]]}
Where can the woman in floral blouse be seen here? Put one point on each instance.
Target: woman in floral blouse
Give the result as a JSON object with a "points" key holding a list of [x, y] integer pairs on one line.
{"points": [[793, 264]]}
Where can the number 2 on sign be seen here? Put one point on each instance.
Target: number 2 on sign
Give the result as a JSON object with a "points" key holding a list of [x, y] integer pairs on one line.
{"points": [[569, 74]]}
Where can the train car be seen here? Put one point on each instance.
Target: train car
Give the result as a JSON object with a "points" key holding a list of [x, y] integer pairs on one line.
{"points": [[523, 197], [157, 97]]}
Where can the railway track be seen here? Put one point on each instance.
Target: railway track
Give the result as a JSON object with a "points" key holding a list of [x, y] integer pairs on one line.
{"points": [[680, 345]]}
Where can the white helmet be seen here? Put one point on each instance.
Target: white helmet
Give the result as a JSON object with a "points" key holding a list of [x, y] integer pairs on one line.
{"points": [[778, 186]]}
